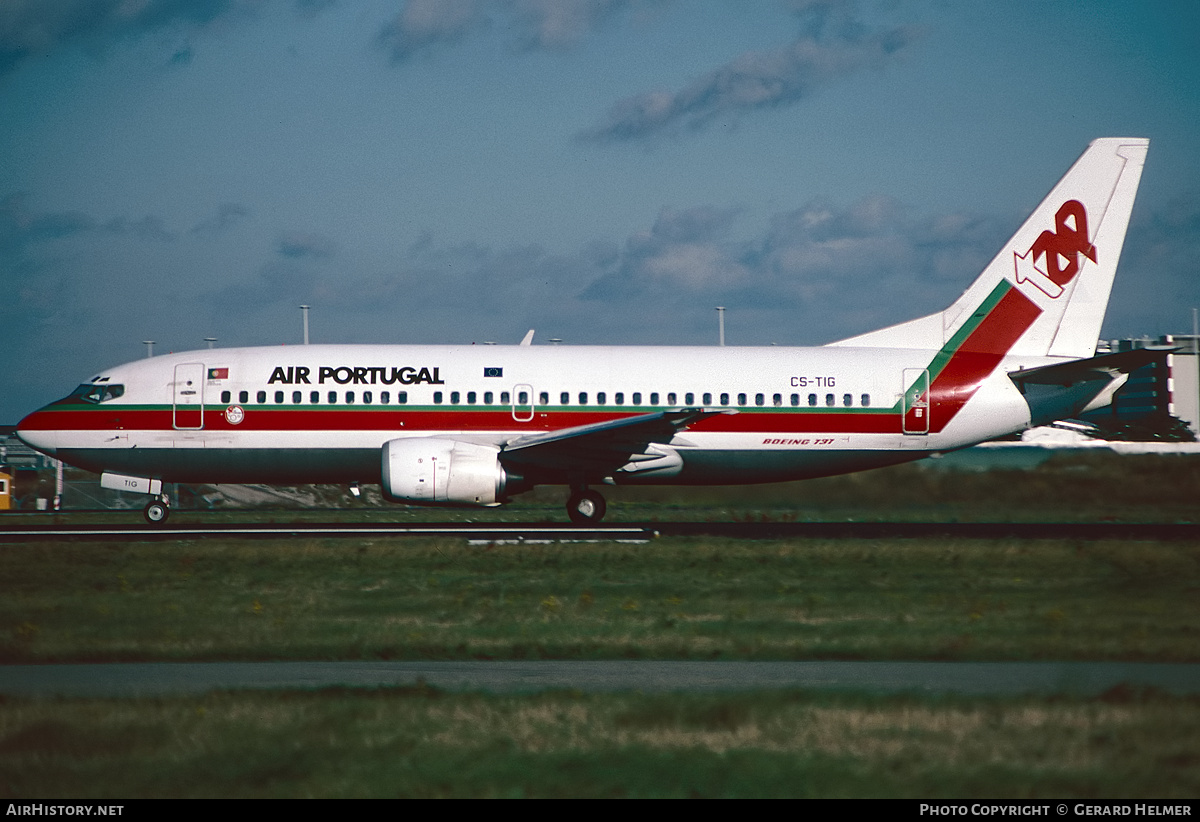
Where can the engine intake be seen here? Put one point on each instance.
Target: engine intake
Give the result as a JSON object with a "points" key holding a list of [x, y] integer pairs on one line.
{"points": [[434, 470]]}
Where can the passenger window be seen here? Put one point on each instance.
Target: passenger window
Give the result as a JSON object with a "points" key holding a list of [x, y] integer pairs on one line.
{"points": [[583, 398], [847, 400], [471, 397], [637, 397], [777, 400], [670, 398], [724, 399], [812, 400], [544, 398], [601, 398], [244, 396], [296, 397], [402, 397], [759, 399], [367, 397], [619, 398], [262, 397], [385, 397], [564, 398], [523, 398], [504, 395], [795, 399], [866, 400], [689, 398], [454, 397], [349, 397], [437, 397], [707, 398], [225, 396], [315, 396], [279, 397], [830, 400], [332, 397], [487, 397], [741, 399]]}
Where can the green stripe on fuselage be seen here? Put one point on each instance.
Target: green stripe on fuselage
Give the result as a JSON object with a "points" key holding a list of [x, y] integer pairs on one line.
{"points": [[947, 352]]}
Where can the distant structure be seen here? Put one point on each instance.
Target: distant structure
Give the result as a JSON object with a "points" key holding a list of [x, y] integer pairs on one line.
{"points": [[19, 468], [1168, 386], [15, 454]]}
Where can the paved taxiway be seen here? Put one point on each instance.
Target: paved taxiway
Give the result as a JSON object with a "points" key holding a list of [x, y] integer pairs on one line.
{"points": [[631, 532], [970, 678]]}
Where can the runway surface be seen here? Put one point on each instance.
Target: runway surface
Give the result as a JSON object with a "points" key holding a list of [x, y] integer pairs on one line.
{"points": [[969, 678], [643, 531]]}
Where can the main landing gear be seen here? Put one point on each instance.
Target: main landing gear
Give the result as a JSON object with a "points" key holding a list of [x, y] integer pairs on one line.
{"points": [[586, 506], [157, 510]]}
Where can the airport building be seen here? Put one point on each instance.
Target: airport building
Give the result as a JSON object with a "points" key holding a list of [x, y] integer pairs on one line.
{"points": [[1167, 387], [20, 470]]}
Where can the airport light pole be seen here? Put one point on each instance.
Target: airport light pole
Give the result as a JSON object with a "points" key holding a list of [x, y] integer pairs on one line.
{"points": [[149, 348], [304, 312], [211, 341], [721, 325], [1196, 355]]}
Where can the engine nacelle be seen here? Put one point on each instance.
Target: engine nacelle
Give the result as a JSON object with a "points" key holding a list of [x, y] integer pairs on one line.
{"points": [[433, 470]]}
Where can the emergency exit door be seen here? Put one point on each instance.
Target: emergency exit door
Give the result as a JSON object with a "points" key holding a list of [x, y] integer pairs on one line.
{"points": [[522, 403]]}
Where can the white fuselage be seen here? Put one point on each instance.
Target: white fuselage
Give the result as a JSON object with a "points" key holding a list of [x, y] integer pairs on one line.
{"points": [[322, 413]]}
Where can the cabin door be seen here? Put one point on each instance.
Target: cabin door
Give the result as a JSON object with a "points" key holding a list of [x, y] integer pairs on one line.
{"points": [[916, 401], [188, 403]]}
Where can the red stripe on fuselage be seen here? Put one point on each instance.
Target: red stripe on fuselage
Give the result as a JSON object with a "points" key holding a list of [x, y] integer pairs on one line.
{"points": [[316, 420], [979, 355]]}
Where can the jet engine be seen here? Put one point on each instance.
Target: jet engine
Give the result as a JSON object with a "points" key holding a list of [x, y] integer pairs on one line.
{"points": [[434, 470]]}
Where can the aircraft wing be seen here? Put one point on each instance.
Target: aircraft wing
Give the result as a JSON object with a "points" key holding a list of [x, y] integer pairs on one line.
{"points": [[603, 446]]}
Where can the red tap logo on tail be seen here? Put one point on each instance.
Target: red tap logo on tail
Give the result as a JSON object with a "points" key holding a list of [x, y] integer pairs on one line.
{"points": [[1061, 249]]}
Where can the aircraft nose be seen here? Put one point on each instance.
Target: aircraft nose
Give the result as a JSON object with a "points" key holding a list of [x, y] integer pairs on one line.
{"points": [[31, 432]]}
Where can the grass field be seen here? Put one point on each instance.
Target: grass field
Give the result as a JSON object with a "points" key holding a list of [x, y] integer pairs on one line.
{"points": [[950, 599], [936, 599], [418, 742]]}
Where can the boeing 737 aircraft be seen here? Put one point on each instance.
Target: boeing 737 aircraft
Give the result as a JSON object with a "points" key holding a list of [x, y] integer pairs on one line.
{"points": [[476, 425]]}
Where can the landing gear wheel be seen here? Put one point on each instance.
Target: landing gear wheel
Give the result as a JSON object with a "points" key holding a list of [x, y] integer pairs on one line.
{"points": [[156, 512], [586, 506]]}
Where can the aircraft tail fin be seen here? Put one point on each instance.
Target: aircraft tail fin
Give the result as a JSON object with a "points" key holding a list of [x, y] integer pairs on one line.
{"points": [[1046, 292]]}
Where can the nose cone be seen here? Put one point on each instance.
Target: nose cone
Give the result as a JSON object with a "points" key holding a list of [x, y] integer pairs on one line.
{"points": [[34, 432]]}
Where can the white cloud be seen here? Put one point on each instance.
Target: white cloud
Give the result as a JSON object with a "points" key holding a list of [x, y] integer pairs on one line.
{"points": [[423, 25], [751, 82]]}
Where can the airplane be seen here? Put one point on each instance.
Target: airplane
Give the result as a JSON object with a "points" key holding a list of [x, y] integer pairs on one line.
{"points": [[472, 425]]}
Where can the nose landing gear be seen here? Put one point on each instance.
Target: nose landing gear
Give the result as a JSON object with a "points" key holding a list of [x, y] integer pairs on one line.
{"points": [[157, 510]]}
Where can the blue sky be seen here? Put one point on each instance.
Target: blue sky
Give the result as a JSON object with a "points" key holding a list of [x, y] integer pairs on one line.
{"points": [[605, 171]]}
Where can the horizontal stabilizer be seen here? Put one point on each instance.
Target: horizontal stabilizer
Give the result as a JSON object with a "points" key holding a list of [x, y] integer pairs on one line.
{"points": [[1056, 392], [1103, 367]]}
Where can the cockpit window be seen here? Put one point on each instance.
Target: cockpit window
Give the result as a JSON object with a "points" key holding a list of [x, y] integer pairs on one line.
{"points": [[96, 393]]}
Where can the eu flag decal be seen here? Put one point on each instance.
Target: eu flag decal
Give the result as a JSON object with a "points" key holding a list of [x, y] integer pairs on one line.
{"points": [[493, 372]]}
